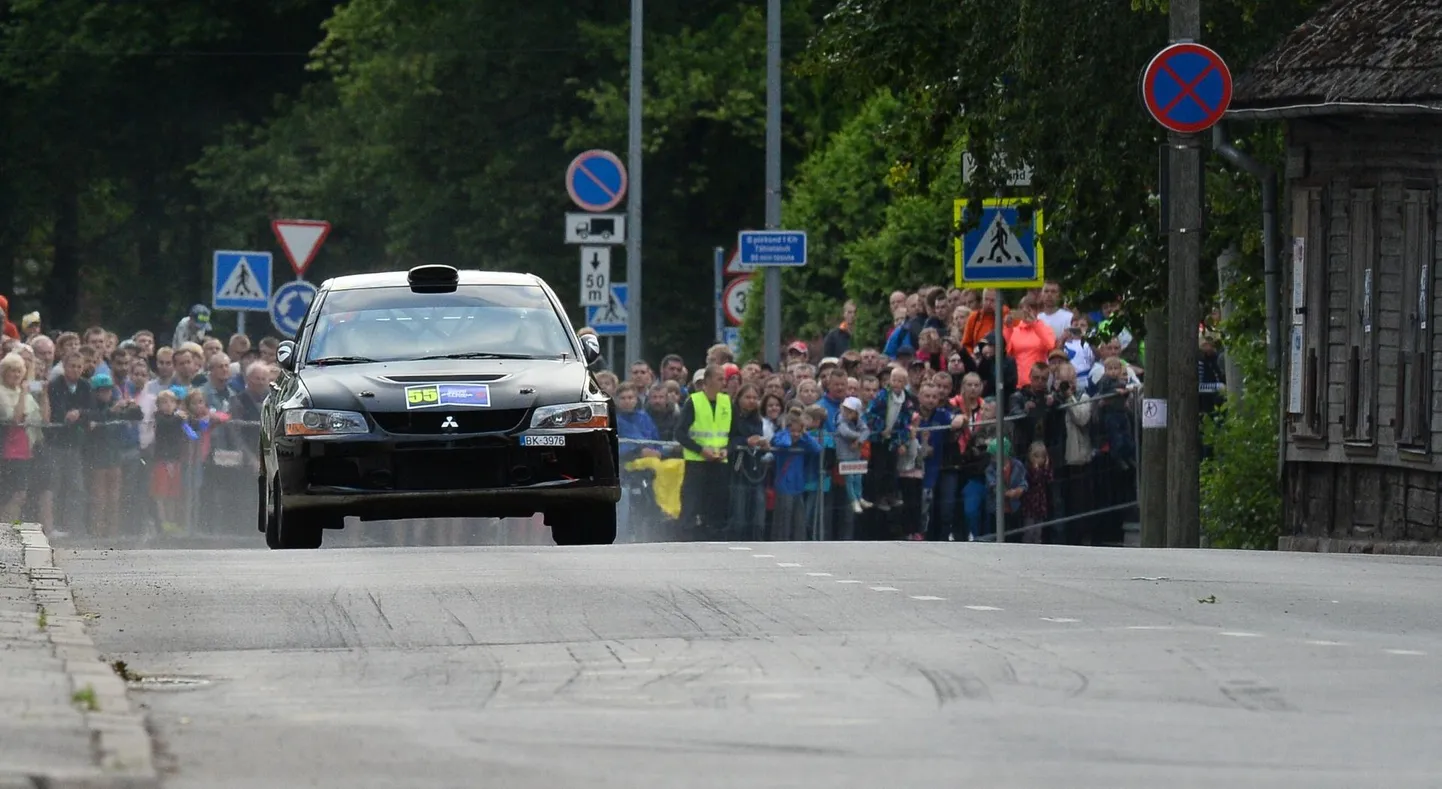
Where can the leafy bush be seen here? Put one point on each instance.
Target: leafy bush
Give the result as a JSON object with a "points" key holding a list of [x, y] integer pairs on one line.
{"points": [[1241, 489]]}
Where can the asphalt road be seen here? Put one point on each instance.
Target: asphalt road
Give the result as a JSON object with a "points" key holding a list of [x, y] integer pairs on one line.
{"points": [[778, 665]]}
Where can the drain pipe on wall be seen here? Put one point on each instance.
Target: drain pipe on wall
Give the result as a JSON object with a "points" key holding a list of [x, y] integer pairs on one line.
{"points": [[1271, 271]]}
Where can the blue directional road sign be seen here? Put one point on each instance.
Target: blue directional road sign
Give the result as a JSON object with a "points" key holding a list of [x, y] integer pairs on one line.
{"points": [[1001, 251], [771, 248], [242, 281], [288, 307], [609, 320], [596, 180]]}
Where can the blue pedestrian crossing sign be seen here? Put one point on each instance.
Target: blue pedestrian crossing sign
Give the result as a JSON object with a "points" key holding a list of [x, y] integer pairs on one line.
{"points": [[609, 319], [289, 306], [1002, 250], [242, 281]]}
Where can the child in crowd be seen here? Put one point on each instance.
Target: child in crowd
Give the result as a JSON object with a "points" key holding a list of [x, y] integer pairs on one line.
{"points": [[1035, 503], [851, 433], [793, 447], [169, 448], [1013, 487], [816, 486]]}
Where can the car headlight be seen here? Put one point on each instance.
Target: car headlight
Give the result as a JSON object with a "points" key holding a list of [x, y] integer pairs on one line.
{"points": [[553, 417], [320, 422]]}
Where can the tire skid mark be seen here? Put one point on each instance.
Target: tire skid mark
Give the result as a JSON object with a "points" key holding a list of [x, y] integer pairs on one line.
{"points": [[1244, 691]]}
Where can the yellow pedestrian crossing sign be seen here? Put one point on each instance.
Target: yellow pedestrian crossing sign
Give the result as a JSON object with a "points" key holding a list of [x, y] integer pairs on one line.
{"points": [[1002, 250]]}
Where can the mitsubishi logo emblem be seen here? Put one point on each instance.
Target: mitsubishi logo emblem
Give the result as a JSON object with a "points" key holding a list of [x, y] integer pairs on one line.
{"points": [[450, 424]]}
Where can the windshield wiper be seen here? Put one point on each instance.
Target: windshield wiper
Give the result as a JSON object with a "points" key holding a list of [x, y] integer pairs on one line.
{"points": [[479, 355], [324, 360]]}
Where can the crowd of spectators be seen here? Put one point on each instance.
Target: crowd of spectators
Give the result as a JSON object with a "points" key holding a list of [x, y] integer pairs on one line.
{"points": [[891, 436], [880, 437], [107, 436]]}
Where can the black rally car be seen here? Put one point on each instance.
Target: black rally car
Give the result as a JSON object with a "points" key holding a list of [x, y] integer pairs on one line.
{"points": [[437, 393]]}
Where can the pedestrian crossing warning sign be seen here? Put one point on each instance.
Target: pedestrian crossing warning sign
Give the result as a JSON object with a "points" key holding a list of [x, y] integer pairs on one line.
{"points": [[242, 281], [1001, 250]]}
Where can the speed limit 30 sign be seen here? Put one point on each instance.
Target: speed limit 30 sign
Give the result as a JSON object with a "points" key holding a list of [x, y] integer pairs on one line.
{"points": [[734, 299]]}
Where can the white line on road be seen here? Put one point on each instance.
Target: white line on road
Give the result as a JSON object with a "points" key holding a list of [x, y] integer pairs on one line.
{"points": [[1321, 643], [764, 555], [925, 597], [850, 582], [884, 589], [787, 564], [983, 608], [819, 575], [1404, 652], [739, 548], [1149, 627], [1239, 634], [1058, 619]]}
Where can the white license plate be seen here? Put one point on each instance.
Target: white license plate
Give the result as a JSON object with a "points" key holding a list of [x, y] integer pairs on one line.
{"points": [[543, 441]]}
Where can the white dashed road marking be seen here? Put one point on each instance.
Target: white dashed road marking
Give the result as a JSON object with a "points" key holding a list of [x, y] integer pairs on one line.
{"points": [[983, 608], [1326, 643], [819, 575], [849, 582], [1061, 619], [1149, 627], [884, 589], [925, 597], [764, 555], [739, 548], [1404, 652], [1240, 634], [787, 564]]}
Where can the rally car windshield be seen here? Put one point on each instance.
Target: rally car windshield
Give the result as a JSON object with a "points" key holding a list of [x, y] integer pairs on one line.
{"points": [[475, 321]]}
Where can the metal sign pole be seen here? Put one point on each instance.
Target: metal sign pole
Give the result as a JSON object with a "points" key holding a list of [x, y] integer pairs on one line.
{"points": [[720, 318], [633, 203], [999, 370], [772, 323], [240, 323]]}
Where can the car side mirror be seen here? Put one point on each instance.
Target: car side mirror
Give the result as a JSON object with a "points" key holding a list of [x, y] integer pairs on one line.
{"points": [[591, 346], [285, 356]]}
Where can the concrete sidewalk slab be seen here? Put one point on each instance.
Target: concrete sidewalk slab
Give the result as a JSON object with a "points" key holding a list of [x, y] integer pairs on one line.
{"points": [[65, 718]]}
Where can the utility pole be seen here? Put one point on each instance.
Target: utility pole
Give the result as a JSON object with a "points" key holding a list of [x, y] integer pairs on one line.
{"points": [[1184, 262], [772, 327], [634, 347], [1153, 493]]}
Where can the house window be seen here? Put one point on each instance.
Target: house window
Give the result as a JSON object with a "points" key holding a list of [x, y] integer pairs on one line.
{"points": [[1360, 416], [1309, 314], [1414, 372]]}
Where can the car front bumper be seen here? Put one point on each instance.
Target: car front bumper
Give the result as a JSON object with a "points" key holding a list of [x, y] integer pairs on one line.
{"points": [[388, 477]]}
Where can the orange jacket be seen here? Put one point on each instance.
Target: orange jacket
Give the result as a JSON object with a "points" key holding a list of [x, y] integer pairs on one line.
{"points": [[1028, 343], [980, 325]]}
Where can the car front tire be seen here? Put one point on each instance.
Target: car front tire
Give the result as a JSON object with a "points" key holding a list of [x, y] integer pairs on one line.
{"points": [[292, 530], [591, 525]]}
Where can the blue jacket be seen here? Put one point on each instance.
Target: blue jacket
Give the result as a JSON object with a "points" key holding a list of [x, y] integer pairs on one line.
{"points": [[635, 425], [791, 466], [941, 417], [1018, 480], [900, 429]]}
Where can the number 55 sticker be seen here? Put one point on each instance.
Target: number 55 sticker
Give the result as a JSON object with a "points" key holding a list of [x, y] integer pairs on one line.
{"points": [[422, 396]]}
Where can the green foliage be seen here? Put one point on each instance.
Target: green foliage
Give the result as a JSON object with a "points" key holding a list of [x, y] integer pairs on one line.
{"points": [[1241, 485], [1052, 84]]}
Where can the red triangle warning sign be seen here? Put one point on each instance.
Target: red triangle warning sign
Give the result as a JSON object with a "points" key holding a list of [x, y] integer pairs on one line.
{"points": [[301, 239]]}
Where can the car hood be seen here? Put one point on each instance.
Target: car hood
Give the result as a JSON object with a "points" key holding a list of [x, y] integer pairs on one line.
{"points": [[411, 386]]}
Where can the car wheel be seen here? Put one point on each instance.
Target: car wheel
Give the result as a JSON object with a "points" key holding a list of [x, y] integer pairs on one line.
{"points": [[270, 511], [593, 525], [296, 531]]}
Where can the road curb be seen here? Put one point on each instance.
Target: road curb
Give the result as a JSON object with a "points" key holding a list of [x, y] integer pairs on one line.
{"points": [[121, 741]]}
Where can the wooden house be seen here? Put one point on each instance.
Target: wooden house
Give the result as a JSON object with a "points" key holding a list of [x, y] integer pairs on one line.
{"points": [[1359, 88]]}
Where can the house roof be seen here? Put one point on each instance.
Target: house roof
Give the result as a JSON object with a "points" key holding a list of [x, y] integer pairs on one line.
{"points": [[1352, 56]]}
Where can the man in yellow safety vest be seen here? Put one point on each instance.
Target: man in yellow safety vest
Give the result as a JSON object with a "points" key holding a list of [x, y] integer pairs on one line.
{"points": [[703, 429]]}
